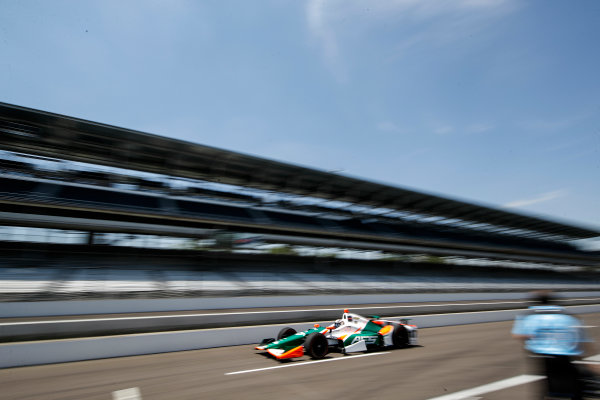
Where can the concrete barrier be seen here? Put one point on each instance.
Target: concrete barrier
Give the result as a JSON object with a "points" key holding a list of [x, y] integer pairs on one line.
{"points": [[66, 328], [56, 351], [87, 307]]}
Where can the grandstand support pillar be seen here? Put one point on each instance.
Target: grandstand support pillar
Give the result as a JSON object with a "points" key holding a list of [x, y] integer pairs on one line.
{"points": [[90, 238]]}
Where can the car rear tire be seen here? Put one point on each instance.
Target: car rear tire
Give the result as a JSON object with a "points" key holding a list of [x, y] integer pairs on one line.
{"points": [[399, 337], [316, 345], [285, 332]]}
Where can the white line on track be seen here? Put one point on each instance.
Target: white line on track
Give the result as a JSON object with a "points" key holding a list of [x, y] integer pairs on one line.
{"points": [[127, 394], [587, 362], [593, 358], [307, 363], [504, 384], [490, 387]]}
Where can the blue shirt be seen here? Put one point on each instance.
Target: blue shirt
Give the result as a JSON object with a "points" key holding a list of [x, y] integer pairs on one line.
{"points": [[551, 331]]}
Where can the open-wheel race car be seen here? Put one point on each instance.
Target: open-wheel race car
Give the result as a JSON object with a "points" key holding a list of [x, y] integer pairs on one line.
{"points": [[351, 333]]}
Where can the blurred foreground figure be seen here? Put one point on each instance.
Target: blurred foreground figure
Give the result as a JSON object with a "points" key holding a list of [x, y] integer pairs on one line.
{"points": [[554, 340]]}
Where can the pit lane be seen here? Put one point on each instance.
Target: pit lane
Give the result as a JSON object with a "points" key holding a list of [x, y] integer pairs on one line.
{"points": [[449, 360]]}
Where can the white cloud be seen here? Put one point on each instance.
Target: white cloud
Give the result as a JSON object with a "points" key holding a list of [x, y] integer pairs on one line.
{"points": [[536, 200], [553, 123], [426, 21], [479, 128], [388, 126], [323, 31], [443, 130]]}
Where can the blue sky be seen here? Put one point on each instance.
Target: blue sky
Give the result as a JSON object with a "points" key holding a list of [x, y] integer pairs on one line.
{"points": [[495, 102]]}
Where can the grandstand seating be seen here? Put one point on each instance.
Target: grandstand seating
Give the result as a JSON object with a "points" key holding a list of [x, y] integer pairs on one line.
{"points": [[101, 181], [113, 198], [11, 186], [15, 166], [93, 177], [216, 194], [293, 219], [212, 210], [47, 192], [154, 281]]}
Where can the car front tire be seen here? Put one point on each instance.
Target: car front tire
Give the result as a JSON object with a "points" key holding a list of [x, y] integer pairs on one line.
{"points": [[316, 345], [285, 332]]}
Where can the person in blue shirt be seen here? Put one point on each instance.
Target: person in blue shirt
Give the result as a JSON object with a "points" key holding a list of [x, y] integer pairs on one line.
{"points": [[555, 339]]}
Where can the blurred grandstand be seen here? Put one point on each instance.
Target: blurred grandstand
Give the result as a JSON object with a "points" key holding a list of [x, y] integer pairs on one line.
{"points": [[78, 197]]}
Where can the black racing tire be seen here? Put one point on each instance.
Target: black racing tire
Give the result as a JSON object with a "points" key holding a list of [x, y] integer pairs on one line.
{"points": [[285, 332], [316, 345], [399, 337]]}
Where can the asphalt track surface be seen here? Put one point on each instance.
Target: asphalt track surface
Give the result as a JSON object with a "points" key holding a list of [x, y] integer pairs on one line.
{"points": [[448, 360]]}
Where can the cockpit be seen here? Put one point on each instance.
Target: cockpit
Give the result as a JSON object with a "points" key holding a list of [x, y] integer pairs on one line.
{"points": [[350, 320]]}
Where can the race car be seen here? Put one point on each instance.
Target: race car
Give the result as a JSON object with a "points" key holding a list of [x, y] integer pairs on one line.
{"points": [[351, 333]]}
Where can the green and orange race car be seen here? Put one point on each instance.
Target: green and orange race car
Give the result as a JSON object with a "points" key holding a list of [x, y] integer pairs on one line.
{"points": [[351, 333]]}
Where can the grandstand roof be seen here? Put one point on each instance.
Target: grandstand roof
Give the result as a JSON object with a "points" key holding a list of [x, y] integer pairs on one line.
{"points": [[41, 133]]}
